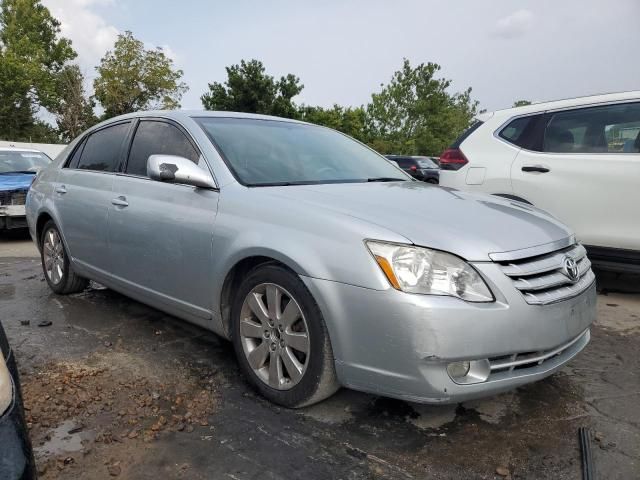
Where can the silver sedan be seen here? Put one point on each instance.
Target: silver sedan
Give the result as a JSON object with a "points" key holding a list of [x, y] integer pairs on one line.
{"points": [[323, 263]]}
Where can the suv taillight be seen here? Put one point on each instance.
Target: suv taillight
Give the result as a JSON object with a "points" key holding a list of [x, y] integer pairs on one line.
{"points": [[452, 159]]}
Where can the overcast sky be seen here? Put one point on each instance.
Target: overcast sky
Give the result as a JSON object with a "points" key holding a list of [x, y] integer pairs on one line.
{"points": [[343, 50]]}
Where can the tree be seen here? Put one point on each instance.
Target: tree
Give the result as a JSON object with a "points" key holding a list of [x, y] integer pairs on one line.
{"points": [[249, 89], [521, 103], [351, 121], [31, 56], [74, 110], [415, 113], [131, 78]]}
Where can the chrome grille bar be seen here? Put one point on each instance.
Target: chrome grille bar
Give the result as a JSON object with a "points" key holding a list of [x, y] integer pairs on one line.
{"points": [[542, 279], [544, 264], [514, 361], [549, 280]]}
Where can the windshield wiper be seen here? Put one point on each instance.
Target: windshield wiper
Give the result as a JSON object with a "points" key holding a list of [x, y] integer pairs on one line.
{"points": [[386, 179], [18, 171]]}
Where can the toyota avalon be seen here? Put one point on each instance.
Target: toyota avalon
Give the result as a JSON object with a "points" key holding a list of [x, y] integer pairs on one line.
{"points": [[294, 241]]}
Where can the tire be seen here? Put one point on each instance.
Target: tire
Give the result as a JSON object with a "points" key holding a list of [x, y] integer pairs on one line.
{"points": [[56, 267], [283, 381], [432, 181]]}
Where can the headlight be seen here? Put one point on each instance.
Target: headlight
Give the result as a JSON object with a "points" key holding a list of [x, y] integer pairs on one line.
{"points": [[430, 272], [6, 386]]}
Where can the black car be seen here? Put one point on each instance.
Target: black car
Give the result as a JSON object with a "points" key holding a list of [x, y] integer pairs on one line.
{"points": [[422, 168], [16, 457]]}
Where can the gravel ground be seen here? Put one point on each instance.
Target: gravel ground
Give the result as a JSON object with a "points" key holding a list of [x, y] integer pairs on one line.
{"points": [[116, 389]]}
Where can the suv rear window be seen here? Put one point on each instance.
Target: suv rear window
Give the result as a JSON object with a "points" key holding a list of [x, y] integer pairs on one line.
{"points": [[474, 126]]}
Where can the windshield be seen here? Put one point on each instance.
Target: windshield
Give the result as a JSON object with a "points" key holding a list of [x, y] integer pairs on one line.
{"points": [[269, 152], [22, 161]]}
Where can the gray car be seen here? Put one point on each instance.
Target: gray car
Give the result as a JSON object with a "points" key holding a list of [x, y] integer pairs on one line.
{"points": [[312, 253]]}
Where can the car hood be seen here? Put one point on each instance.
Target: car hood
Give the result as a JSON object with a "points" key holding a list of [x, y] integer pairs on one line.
{"points": [[470, 225], [15, 181]]}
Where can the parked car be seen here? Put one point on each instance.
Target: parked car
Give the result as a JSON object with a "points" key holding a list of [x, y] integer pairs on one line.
{"points": [[579, 159], [18, 168], [16, 458], [298, 244], [421, 168]]}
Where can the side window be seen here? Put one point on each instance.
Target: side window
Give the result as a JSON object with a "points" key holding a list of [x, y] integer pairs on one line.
{"points": [[158, 138], [522, 132], [102, 149], [72, 162], [608, 129]]}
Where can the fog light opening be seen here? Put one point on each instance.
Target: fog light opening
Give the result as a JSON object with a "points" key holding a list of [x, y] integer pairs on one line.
{"points": [[466, 372], [458, 370]]}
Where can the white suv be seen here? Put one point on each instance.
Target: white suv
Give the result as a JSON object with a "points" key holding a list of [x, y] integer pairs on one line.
{"points": [[579, 159]]}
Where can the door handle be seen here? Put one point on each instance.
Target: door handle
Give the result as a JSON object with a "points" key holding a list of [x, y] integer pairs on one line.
{"points": [[120, 202], [535, 168], [61, 189]]}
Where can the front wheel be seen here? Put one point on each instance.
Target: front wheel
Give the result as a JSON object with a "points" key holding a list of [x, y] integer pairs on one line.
{"points": [[55, 263], [281, 340]]}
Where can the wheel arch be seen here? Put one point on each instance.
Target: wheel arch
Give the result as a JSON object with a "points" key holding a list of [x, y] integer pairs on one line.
{"points": [[43, 218], [237, 273]]}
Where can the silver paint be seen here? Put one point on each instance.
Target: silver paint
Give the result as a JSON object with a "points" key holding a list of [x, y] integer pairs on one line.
{"points": [[172, 246]]}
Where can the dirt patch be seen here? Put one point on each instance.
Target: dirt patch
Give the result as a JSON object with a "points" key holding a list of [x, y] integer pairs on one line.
{"points": [[100, 409]]}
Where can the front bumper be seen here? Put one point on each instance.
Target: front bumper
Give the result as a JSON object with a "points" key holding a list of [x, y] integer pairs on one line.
{"points": [[396, 344], [12, 216]]}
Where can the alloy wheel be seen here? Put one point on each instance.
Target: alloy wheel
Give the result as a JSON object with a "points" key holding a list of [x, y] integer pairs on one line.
{"points": [[274, 336], [53, 252]]}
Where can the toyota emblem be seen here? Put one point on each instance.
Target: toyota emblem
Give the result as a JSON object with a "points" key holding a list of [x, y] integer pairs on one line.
{"points": [[570, 269]]}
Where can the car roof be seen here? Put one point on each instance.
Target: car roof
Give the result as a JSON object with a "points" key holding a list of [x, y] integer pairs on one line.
{"points": [[184, 114], [564, 103]]}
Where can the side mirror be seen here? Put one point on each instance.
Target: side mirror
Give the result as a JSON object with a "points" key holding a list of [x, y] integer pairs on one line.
{"points": [[174, 169]]}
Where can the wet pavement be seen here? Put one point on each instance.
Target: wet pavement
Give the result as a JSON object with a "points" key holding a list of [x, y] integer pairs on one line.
{"points": [[116, 389]]}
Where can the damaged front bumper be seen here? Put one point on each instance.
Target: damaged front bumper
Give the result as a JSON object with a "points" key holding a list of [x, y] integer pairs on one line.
{"points": [[399, 345]]}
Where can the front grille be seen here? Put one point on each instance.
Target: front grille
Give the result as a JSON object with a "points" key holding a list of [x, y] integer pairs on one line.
{"points": [[19, 198], [518, 361], [541, 279], [13, 198]]}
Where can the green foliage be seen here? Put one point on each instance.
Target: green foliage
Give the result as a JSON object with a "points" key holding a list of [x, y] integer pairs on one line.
{"points": [[351, 121], [131, 78], [74, 110], [31, 56], [521, 103], [415, 113], [249, 89]]}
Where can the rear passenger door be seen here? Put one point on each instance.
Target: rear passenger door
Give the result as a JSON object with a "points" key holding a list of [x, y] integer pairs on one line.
{"points": [[82, 193], [587, 173], [160, 234]]}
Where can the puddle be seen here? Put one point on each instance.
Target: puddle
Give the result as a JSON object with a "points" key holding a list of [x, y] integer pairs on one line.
{"points": [[433, 416], [493, 409], [62, 441]]}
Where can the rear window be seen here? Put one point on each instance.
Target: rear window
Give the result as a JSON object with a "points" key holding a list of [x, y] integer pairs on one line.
{"points": [[474, 126], [426, 163]]}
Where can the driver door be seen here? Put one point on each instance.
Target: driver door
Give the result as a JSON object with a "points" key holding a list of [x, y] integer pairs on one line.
{"points": [[160, 234]]}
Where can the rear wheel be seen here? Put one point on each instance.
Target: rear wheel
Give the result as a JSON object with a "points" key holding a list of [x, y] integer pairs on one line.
{"points": [[281, 340], [55, 263]]}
